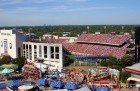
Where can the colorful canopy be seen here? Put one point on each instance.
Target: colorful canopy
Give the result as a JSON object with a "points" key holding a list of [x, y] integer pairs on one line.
{"points": [[10, 66], [71, 86], [6, 70], [15, 83], [57, 84], [42, 82]]}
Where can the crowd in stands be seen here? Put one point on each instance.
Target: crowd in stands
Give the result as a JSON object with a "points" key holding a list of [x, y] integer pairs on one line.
{"points": [[103, 38], [95, 50]]}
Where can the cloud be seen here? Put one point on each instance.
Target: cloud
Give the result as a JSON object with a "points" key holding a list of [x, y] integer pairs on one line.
{"points": [[55, 9], [12, 2]]}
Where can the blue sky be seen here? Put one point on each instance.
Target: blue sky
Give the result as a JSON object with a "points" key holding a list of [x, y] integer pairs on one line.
{"points": [[64, 12]]}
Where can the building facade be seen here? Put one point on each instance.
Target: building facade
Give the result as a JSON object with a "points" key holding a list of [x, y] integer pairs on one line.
{"points": [[11, 43], [51, 54]]}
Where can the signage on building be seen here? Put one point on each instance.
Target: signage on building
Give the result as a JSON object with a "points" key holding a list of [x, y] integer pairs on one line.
{"points": [[6, 34]]}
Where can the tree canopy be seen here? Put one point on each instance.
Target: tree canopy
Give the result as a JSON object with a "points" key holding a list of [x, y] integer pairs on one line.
{"points": [[75, 29]]}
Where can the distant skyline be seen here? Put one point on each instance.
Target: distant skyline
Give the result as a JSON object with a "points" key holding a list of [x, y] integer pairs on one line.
{"points": [[69, 12]]}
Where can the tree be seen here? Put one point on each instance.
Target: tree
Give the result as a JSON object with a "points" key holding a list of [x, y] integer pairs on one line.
{"points": [[20, 61], [5, 60], [125, 76], [112, 61], [69, 58], [126, 61]]}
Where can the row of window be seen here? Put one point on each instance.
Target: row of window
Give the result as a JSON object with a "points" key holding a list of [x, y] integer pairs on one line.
{"points": [[54, 51]]}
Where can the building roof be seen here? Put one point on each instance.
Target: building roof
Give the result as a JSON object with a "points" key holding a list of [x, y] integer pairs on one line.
{"points": [[134, 68], [108, 39], [56, 41], [95, 50]]}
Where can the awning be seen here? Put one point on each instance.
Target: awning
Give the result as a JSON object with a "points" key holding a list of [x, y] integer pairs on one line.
{"points": [[134, 79], [83, 89]]}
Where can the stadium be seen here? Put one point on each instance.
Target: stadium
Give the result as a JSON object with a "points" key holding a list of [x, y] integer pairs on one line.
{"points": [[91, 48]]}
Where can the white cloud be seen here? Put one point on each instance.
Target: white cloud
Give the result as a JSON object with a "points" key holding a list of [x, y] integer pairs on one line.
{"points": [[11, 2], [50, 9]]}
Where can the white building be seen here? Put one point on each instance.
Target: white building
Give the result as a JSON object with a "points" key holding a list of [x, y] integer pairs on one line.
{"points": [[70, 39], [11, 43], [50, 53], [47, 36]]}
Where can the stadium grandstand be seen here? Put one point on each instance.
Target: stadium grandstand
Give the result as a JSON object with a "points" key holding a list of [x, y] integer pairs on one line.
{"points": [[95, 47]]}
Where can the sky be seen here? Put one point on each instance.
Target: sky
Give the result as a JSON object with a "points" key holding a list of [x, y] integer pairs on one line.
{"points": [[69, 12]]}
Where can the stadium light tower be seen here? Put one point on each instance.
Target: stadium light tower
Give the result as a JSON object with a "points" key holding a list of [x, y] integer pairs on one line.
{"points": [[29, 30], [122, 28], [105, 29], [88, 28]]}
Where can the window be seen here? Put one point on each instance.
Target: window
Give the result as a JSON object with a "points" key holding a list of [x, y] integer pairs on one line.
{"points": [[52, 52], [23, 46], [30, 47], [45, 51], [56, 49], [57, 56], [40, 51], [35, 47], [57, 52], [10, 45], [26, 46]]}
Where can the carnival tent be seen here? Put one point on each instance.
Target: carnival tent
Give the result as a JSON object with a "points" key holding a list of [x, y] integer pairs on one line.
{"points": [[10, 66], [42, 82], [83, 89], [71, 86], [15, 83], [6, 71], [57, 84]]}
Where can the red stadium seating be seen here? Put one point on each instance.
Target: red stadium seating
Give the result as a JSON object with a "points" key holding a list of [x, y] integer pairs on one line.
{"points": [[103, 39]]}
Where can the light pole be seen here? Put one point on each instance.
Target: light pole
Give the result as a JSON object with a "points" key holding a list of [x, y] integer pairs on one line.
{"points": [[29, 34], [122, 28], [105, 29], [88, 29]]}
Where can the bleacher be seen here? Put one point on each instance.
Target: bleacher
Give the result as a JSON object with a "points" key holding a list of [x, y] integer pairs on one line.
{"points": [[99, 45], [108, 39]]}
